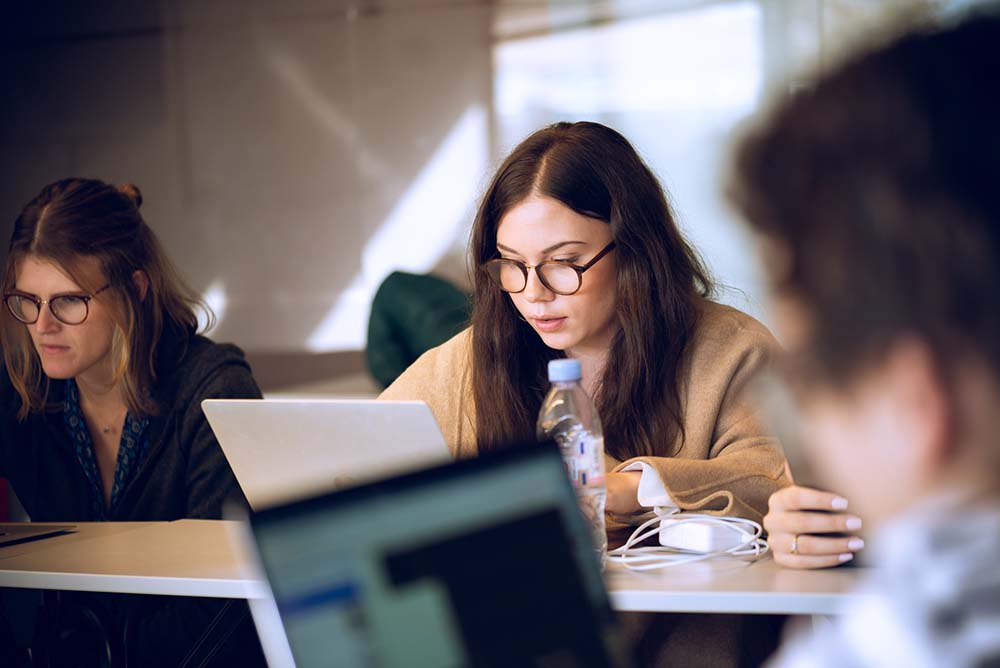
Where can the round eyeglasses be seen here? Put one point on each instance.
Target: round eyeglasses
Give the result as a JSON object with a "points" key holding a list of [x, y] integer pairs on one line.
{"points": [[558, 276], [67, 309]]}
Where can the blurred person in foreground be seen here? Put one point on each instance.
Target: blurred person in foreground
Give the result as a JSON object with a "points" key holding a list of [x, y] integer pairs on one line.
{"points": [[876, 196]]}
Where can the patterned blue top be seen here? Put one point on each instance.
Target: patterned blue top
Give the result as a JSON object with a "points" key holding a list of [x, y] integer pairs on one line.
{"points": [[131, 451]]}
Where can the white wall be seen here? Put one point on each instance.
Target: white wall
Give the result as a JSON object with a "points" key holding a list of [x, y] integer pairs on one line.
{"points": [[290, 154]]}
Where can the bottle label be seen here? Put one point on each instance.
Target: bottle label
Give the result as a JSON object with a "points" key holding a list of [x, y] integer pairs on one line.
{"points": [[584, 458]]}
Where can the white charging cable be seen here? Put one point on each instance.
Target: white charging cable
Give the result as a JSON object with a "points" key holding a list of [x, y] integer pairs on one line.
{"points": [[689, 537]]}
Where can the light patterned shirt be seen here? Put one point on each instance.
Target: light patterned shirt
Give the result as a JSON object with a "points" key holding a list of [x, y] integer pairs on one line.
{"points": [[934, 603]]}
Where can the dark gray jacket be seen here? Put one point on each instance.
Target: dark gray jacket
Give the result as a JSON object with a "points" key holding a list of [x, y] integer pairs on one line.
{"points": [[184, 475]]}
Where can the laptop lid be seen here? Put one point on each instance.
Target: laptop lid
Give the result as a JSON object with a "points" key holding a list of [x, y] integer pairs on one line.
{"points": [[282, 449], [483, 562]]}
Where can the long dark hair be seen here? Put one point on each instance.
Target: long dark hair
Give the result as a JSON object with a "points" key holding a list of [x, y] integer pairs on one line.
{"points": [[594, 171], [73, 219]]}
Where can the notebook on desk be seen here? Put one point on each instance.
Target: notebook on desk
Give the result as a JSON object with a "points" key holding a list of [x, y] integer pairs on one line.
{"points": [[483, 562], [281, 449], [23, 532]]}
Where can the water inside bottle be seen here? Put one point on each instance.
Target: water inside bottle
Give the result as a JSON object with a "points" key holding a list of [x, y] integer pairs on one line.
{"points": [[583, 456]]}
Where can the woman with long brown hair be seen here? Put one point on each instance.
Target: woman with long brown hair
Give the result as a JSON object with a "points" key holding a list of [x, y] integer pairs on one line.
{"points": [[100, 397], [576, 253]]}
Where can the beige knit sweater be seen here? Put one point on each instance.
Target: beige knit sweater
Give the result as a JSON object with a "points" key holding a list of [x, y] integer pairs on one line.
{"points": [[727, 464]]}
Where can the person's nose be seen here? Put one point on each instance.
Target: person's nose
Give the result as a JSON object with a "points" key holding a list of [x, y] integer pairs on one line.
{"points": [[47, 323], [535, 290]]}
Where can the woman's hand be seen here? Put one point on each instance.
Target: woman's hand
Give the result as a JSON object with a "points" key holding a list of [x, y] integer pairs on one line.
{"points": [[623, 492], [795, 514]]}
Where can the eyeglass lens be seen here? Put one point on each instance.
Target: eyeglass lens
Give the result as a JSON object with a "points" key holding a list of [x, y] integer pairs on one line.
{"points": [[557, 277], [68, 309]]}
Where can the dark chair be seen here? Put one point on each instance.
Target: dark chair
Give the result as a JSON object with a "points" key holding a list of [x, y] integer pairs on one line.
{"points": [[411, 313]]}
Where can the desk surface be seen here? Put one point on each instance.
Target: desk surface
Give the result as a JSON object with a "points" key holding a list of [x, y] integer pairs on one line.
{"points": [[182, 558], [722, 586], [206, 558]]}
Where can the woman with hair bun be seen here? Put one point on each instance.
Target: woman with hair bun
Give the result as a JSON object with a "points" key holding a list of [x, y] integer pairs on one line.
{"points": [[100, 395]]}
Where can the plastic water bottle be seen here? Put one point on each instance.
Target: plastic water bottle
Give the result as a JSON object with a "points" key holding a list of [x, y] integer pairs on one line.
{"points": [[569, 418]]}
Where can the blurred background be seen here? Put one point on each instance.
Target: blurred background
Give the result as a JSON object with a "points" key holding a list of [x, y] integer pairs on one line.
{"points": [[292, 154]]}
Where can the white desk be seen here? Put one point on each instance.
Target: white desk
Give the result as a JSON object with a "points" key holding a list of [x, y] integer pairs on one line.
{"points": [[206, 558], [182, 558], [761, 587]]}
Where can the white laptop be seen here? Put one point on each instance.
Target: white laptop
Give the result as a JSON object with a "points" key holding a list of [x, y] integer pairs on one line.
{"points": [[283, 449]]}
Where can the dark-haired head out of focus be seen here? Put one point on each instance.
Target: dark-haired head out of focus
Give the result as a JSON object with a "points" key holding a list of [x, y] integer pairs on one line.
{"points": [[875, 194]]}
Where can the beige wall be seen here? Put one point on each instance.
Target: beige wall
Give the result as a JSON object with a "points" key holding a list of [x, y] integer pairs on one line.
{"points": [[290, 154]]}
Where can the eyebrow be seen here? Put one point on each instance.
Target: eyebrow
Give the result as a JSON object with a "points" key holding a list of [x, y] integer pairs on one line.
{"points": [[70, 293], [544, 250]]}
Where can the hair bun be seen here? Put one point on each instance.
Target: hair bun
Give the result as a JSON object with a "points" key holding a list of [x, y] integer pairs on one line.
{"points": [[131, 191]]}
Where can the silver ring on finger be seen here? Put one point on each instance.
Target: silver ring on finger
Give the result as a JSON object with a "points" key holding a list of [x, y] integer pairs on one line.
{"points": [[795, 544]]}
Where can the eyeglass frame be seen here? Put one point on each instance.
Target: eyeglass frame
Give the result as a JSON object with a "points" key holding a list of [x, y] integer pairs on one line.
{"points": [[579, 269], [39, 303]]}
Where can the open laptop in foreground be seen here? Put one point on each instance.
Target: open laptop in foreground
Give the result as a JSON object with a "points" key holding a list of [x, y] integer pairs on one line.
{"points": [[282, 449], [480, 563]]}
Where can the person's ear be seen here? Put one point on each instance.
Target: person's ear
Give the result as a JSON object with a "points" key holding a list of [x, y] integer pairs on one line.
{"points": [[924, 406], [141, 283]]}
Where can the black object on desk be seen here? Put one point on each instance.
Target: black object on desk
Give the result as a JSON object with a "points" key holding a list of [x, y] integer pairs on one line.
{"points": [[483, 562]]}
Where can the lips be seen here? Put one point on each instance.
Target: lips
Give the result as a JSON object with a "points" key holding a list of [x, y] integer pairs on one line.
{"points": [[548, 323], [52, 349]]}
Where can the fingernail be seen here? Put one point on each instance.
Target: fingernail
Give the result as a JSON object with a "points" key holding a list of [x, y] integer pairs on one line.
{"points": [[847, 556], [853, 523], [839, 503], [855, 544]]}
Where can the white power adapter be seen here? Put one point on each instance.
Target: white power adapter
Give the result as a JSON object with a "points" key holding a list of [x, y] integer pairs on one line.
{"points": [[686, 535]]}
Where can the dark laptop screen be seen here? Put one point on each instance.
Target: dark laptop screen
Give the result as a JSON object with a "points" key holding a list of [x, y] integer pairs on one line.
{"points": [[484, 562]]}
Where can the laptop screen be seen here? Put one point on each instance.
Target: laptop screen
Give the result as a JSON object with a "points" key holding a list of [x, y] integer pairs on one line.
{"points": [[484, 562]]}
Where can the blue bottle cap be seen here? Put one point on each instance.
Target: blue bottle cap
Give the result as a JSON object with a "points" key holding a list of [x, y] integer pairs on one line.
{"points": [[564, 370]]}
